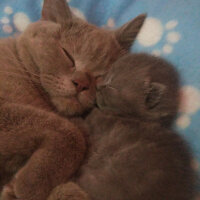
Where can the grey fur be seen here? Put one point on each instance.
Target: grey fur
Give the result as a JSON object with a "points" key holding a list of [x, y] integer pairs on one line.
{"points": [[134, 152]]}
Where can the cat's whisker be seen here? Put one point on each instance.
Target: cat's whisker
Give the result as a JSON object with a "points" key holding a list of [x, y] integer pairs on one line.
{"points": [[17, 75], [48, 77], [48, 81], [33, 74], [23, 70], [51, 78]]}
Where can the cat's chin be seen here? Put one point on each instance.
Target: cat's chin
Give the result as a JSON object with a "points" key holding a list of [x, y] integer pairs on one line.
{"points": [[72, 106]]}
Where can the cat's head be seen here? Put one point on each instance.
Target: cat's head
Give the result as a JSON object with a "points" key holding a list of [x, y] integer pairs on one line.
{"points": [[140, 85], [68, 54]]}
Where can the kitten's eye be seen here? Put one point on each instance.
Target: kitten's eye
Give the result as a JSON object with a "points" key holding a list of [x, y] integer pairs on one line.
{"points": [[98, 77], [69, 56]]}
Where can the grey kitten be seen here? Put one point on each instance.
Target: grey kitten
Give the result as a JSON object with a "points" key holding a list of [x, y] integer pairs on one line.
{"points": [[134, 153], [49, 70]]}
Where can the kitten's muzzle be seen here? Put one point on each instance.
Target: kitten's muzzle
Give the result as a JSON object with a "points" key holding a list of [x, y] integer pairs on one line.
{"points": [[100, 100], [100, 85]]}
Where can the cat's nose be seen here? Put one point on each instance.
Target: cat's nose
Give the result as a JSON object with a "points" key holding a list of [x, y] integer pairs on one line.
{"points": [[81, 81], [80, 86]]}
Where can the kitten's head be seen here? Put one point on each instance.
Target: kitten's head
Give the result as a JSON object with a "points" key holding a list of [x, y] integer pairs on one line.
{"points": [[68, 54], [140, 85]]}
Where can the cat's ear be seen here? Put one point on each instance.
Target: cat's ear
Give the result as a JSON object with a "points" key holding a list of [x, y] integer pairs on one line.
{"points": [[127, 33], [56, 11], [154, 93]]}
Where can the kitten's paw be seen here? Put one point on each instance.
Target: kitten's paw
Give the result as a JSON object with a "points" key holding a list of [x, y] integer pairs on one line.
{"points": [[69, 191]]}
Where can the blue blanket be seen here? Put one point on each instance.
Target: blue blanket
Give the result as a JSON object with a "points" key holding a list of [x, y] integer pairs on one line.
{"points": [[171, 30]]}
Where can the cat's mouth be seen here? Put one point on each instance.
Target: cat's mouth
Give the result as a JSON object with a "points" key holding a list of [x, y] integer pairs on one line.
{"points": [[74, 105]]}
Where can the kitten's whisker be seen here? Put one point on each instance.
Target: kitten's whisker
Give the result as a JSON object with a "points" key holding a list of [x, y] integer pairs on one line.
{"points": [[111, 87]]}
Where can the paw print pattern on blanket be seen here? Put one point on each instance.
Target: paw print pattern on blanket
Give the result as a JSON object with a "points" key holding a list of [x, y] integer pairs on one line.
{"points": [[190, 104], [5, 21], [21, 20], [153, 31], [10, 21]]}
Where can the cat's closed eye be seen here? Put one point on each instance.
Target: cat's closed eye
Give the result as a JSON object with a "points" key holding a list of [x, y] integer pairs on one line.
{"points": [[69, 56]]}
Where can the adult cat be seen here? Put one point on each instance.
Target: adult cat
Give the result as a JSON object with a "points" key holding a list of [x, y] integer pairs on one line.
{"points": [[134, 154], [49, 70]]}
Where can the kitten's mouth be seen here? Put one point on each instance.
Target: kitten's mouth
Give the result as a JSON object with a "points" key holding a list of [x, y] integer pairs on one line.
{"points": [[100, 100]]}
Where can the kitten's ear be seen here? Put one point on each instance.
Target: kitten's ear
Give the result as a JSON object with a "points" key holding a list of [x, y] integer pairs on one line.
{"points": [[154, 94], [127, 33], [56, 10]]}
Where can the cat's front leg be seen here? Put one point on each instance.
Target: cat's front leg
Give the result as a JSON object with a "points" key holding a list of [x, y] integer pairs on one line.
{"points": [[53, 163], [57, 155], [8, 191]]}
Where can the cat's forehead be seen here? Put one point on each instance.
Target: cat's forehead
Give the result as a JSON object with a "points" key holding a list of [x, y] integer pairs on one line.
{"points": [[93, 50], [82, 65]]}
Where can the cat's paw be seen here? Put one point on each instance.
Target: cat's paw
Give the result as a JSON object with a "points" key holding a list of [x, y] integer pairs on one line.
{"points": [[8, 192], [69, 191]]}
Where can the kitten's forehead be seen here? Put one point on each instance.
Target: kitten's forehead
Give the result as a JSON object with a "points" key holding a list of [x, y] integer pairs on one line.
{"points": [[131, 69]]}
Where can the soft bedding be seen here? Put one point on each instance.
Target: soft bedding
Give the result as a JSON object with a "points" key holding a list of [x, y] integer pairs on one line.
{"points": [[172, 30]]}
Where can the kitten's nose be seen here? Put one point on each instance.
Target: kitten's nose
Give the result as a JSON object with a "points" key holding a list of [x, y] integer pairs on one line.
{"points": [[100, 84], [81, 81]]}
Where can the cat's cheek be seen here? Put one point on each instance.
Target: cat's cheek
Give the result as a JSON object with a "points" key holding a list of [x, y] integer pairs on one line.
{"points": [[86, 99]]}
